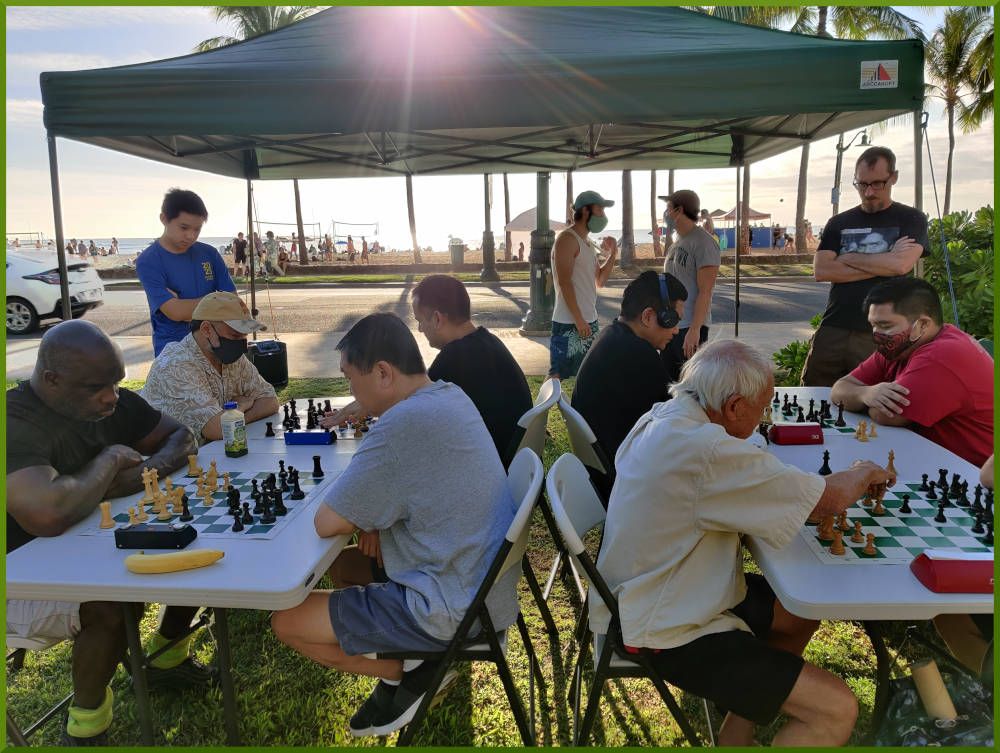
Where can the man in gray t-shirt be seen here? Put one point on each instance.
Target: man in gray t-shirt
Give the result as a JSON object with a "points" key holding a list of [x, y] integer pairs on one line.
{"points": [[427, 492], [693, 259]]}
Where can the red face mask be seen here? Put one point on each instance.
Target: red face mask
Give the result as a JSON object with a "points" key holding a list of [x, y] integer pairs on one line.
{"points": [[893, 346]]}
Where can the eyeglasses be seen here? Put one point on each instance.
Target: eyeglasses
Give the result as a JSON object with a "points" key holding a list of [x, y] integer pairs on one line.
{"points": [[878, 185]]}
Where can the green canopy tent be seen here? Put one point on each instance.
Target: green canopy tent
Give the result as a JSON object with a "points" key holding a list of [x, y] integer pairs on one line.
{"points": [[366, 91]]}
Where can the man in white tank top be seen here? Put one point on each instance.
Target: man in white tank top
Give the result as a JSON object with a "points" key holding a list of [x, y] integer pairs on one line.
{"points": [[577, 275]]}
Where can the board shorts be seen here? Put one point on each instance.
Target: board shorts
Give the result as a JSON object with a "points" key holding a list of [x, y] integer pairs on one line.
{"points": [[46, 622], [735, 669], [567, 348], [376, 619], [239, 257]]}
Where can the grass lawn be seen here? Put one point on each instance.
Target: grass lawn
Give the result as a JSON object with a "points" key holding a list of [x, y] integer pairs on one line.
{"points": [[286, 700]]}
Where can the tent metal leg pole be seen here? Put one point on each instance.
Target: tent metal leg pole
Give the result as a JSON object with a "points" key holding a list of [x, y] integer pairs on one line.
{"points": [[537, 320], [489, 271], [67, 308], [251, 251], [918, 177], [736, 245]]}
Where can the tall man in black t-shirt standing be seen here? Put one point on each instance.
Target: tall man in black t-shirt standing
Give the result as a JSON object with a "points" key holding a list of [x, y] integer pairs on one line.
{"points": [[622, 374], [74, 439], [875, 241]]}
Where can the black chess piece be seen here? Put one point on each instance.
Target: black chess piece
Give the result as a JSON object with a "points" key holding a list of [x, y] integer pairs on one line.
{"points": [[285, 406], [271, 480], [310, 420], [327, 408], [795, 401], [942, 481], [279, 504], [317, 468], [296, 423], [825, 411], [978, 527], [283, 476], [988, 538], [237, 524], [269, 432], [940, 518], [956, 486], [247, 517], [254, 490], [825, 469], [801, 417], [185, 512], [294, 412], [904, 508], [812, 405], [281, 466], [930, 491], [923, 483], [840, 415], [977, 500], [311, 406], [777, 400], [258, 504], [297, 492], [989, 504], [267, 518], [945, 497], [762, 430], [963, 496]]}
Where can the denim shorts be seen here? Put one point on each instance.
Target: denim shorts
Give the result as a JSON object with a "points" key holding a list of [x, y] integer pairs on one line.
{"points": [[567, 348], [375, 619]]}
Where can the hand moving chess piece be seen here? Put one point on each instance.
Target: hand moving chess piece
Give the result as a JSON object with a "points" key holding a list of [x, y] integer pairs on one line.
{"points": [[106, 520]]}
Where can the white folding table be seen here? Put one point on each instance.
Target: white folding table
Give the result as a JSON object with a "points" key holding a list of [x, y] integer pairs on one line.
{"points": [[870, 593], [254, 574]]}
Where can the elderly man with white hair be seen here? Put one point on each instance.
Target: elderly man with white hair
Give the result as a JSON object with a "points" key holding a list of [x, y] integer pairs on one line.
{"points": [[688, 486]]}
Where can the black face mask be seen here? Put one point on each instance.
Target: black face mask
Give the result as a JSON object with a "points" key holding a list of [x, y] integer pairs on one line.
{"points": [[228, 350]]}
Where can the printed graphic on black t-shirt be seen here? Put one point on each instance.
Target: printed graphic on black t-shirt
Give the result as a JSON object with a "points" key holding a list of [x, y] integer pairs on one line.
{"points": [[867, 240]]}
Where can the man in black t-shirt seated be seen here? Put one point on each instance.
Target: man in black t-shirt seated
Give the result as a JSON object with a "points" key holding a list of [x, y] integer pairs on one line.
{"points": [[875, 241], [74, 439], [622, 374]]}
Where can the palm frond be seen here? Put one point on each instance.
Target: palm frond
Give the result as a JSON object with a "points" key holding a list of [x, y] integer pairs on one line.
{"points": [[249, 21]]}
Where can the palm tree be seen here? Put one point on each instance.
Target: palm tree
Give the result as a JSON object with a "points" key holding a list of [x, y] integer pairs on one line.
{"points": [[251, 21], [954, 67], [847, 22]]}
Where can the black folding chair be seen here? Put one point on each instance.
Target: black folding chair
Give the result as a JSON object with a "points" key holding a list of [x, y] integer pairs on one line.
{"points": [[577, 509], [15, 660], [525, 477]]}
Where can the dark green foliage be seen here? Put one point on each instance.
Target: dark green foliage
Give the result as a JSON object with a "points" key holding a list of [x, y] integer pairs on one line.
{"points": [[970, 253], [790, 359]]}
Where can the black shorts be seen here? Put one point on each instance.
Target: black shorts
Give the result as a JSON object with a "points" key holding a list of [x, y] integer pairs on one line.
{"points": [[737, 670], [239, 257]]}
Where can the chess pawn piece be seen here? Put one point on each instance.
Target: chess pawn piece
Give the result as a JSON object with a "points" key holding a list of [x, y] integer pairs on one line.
{"points": [[978, 527], [106, 520], [904, 508], [225, 481], [132, 521], [825, 529], [931, 494], [193, 470], [357, 431], [857, 537], [795, 401], [871, 431], [988, 538], [247, 517], [879, 510], [164, 513], [890, 466], [185, 512], [777, 400], [237, 524], [840, 415], [141, 515], [168, 485], [923, 483], [200, 493], [297, 492], [869, 547], [801, 418], [956, 487], [940, 517], [837, 547]]}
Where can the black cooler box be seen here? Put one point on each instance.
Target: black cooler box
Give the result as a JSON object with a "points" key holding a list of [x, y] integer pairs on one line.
{"points": [[271, 359]]}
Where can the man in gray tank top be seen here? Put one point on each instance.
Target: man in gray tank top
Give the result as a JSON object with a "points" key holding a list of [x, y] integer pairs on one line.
{"points": [[578, 274]]}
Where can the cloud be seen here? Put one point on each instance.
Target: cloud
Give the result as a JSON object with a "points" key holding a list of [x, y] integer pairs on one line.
{"points": [[60, 61], [24, 112], [51, 18]]}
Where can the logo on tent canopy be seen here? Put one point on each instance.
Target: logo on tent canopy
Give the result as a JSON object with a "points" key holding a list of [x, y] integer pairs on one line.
{"points": [[879, 74]]}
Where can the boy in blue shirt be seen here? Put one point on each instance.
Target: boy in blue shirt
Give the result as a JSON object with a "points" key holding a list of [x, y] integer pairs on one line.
{"points": [[176, 271]]}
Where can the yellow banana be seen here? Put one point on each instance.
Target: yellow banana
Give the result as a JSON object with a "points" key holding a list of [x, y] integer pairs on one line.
{"points": [[171, 562]]}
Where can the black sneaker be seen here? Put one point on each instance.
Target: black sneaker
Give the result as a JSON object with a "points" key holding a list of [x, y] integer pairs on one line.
{"points": [[390, 708], [66, 740], [189, 672]]}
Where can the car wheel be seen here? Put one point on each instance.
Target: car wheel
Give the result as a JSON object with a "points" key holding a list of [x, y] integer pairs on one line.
{"points": [[21, 317]]}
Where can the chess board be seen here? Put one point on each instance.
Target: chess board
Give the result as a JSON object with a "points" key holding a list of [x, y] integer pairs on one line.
{"points": [[214, 521], [899, 538]]}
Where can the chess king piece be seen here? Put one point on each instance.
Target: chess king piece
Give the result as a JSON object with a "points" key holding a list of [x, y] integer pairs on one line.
{"points": [[193, 470], [106, 520], [147, 483]]}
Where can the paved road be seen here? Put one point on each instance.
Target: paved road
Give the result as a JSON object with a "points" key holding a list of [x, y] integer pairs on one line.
{"points": [[336, 309]]}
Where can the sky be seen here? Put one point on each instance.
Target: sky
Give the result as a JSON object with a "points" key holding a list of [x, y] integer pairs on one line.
{"points": [[108, 194]]}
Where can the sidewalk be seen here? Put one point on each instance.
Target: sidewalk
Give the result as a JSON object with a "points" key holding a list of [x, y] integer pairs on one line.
{"points": [[313, 354]]}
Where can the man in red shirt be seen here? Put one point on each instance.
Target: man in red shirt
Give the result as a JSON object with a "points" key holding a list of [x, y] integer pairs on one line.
{"points": [[924, 374]]}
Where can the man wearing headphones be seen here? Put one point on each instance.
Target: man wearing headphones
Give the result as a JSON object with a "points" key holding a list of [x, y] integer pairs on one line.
{"points": [[622, 374], [694, 259]]}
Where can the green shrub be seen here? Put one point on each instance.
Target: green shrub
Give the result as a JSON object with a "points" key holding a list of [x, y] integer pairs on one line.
{"points": [[970, 254], [790, 359]]}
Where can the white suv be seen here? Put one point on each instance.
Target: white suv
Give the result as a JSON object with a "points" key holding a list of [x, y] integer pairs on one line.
{"points": [[33, 291]]}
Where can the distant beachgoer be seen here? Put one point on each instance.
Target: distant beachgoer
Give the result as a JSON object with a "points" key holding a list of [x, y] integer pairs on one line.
{"points": [[364, 250], [283, 259], [271, 254], [706, 221], [114, 246], [38, 243], [92, 248], [350, 246], [327, 247], [17, 243], [239, 255], [520, 252], [81, 248], [71, 246]]}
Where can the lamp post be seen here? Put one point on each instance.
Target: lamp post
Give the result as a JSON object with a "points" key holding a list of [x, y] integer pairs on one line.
{"points": [[841, 148]]}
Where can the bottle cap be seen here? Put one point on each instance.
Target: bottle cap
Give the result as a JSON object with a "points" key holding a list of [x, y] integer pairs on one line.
{"points": [[229, 406]]}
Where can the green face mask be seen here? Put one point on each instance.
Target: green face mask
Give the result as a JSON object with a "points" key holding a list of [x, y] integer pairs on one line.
{"points": [[596, 224]]}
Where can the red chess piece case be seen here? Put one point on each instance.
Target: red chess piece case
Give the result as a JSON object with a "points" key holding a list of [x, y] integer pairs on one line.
{"points": [[789, 432], [954, 576]]}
